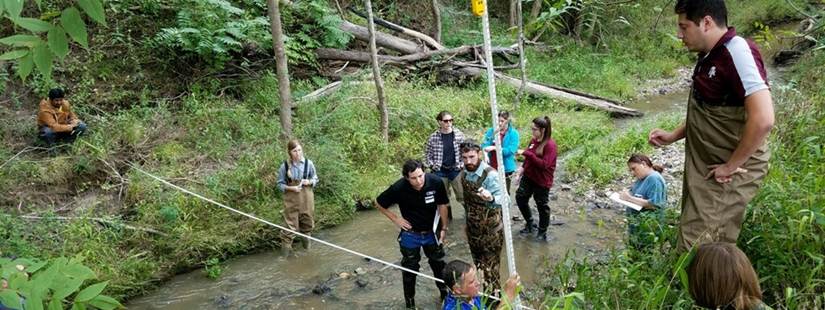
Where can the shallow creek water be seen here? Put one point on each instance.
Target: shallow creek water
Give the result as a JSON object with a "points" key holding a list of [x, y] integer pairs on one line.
{"points": [[312, 279]]}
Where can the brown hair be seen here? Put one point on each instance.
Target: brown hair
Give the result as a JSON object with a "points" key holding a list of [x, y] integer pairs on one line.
{"points": [[720, 275], [643, 159], [291, 145], [547, 128]]}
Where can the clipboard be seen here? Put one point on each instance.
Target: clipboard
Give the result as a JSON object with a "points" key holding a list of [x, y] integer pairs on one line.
{"points": [[615, 197], [435, 228]]}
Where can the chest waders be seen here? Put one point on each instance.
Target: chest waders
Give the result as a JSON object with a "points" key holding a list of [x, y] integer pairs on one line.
{"points": [[712, 211], [299, 208], [484, 232]]}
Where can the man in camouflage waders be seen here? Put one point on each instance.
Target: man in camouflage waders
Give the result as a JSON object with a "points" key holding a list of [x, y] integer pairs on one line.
{"points": [[729, 116], [483, 197]]}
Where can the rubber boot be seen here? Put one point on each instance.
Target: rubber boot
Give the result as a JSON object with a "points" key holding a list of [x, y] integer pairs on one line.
{"points": [[528, 229]]}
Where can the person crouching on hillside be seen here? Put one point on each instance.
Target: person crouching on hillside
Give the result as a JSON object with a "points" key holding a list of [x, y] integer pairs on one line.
{"points": [[56, 122]]}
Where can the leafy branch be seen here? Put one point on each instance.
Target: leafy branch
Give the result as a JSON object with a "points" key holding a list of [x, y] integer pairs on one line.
{"points": [[46, 39]]}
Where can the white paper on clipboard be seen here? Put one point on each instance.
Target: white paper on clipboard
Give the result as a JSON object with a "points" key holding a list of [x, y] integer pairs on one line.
{"points": [[435, 228], [615, 197]]}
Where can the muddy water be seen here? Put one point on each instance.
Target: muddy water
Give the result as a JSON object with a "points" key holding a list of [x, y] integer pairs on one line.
{"points": [[326, 278]]}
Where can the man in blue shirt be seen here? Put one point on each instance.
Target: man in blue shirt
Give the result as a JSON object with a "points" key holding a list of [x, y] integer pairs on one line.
{"points": [[483, 197]]}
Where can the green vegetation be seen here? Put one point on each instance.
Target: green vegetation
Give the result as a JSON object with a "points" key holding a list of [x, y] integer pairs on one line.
{"points": [[784, 227], [183, 89], [57, 282]]}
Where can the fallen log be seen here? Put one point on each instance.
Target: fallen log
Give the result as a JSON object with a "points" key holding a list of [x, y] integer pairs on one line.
{"points": [[358, 56], [321, 92], [400, 29], [384, 40], [589, 100]]}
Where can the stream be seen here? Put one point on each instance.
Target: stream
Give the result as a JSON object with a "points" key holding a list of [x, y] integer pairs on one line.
{"points": [[326, 278]]}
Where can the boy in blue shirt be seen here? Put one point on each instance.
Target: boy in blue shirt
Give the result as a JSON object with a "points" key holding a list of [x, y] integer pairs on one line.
{"points": [[460, 278]]}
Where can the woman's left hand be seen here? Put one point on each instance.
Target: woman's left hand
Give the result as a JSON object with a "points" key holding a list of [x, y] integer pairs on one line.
{"points": [[306, 182]]}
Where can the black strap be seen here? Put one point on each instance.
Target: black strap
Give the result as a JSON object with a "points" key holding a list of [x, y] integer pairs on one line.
{"points": [[306, 166]]}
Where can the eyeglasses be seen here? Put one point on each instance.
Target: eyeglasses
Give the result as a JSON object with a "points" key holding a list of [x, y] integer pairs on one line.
{"points": [[447, 120]]}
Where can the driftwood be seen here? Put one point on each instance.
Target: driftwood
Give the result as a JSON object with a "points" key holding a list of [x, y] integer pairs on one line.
{"points": [[403, 30]]}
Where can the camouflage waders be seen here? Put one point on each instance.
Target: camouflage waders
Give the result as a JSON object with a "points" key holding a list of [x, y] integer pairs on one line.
{"points": [[484, 233]]}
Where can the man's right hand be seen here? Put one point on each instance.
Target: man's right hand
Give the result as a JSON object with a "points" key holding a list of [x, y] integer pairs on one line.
{"points": [[659, 137], [402, 223]]}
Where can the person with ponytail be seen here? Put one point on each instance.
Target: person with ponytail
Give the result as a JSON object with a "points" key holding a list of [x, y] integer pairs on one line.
{"points": [[536, 177], [649, 190], [296, 179]]}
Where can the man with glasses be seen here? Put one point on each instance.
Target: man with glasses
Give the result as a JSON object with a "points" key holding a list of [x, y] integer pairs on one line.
{"points": [[442, 154]]}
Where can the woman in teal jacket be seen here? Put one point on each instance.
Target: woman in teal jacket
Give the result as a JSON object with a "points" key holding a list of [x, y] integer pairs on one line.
{"points": [[509, 146]]}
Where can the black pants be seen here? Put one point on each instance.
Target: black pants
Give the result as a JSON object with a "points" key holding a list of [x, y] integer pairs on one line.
{"points": [[541, 195], [411, 257]]}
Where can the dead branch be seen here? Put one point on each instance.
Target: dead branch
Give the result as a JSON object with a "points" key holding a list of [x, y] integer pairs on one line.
{"points": [[384, 40]]}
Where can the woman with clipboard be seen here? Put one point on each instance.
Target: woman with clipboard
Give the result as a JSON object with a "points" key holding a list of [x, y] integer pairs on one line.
{"points": [[648, 191]]}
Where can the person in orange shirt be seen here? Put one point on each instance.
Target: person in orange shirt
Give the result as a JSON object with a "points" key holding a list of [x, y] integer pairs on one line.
{"points": [[56, 121]]}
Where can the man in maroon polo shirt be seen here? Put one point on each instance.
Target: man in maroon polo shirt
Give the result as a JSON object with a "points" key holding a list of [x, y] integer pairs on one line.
{"points": [[729, 116]]}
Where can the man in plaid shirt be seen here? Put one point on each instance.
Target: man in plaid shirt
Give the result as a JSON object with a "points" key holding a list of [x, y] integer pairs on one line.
{"points": [[442, 155]]}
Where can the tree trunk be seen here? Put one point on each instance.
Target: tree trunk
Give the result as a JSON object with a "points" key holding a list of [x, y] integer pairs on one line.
{"points": [[281, 67], [514, 12], [534, 13], [521, 57], [437, 20], [376, 74]]}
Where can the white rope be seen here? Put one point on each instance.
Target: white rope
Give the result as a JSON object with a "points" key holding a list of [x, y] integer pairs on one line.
{"points": [[297, 233]]}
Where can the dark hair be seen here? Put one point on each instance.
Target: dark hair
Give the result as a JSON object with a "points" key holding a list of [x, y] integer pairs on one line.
{"points": [[504, 114], [547, 128], [721, 275], [695, 10], [454, 272], [56, 93], [441, 115], [642, 159], [469, 145], [409, 166]]}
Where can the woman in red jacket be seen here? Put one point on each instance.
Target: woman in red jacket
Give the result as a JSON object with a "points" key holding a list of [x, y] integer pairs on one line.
{"points": [[536, 175]]}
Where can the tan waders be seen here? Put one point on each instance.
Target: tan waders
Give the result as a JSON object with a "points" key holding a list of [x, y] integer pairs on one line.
{"points": [[712, 211]]}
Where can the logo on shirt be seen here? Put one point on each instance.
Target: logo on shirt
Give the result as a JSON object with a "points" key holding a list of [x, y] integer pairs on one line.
{"points": [[429, 197], [712, 72]]}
